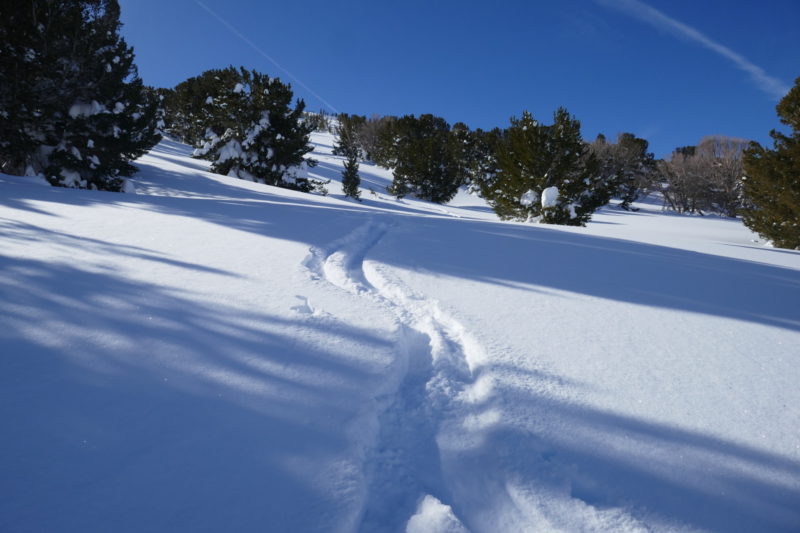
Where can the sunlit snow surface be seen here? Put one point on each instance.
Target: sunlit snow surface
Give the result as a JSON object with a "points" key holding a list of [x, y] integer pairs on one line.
{"points": [[211, 354]]}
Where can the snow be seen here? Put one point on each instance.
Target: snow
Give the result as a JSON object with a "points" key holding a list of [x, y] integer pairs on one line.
{"points": [[549, 197], [238, 88], [230, 150], [529, 198], [434, 517], [83, 109], [215, 354], [71, 178]]}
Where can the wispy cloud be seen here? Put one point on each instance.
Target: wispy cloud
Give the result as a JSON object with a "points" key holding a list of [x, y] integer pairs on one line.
{"points": [[774, 87], [252, 45]]}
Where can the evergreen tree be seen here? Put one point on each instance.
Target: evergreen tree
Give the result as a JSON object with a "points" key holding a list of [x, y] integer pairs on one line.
{"points": [[423, 159], [250, 130], [348, 145], [772, 181], [545, 173], [73, 108], [485, 147], [348, 141], [627, 166], [350, 179], [463, 152], [377, 140]]}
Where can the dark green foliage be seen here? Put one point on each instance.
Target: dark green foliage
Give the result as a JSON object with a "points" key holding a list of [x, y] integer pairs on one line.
{"points": [[350, 179], [320, 121], [532, 159], [249, 129], [348, 144], [468, 152], [348, 136], [627, 166], [423, 159], [485, 145], [377, 140], [72, 106], [772, 181]]}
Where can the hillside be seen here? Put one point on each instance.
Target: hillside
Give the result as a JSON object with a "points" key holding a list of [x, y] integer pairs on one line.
{"points": [[211, 354]]}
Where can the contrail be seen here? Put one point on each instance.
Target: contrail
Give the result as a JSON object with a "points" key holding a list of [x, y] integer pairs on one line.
{"points": [[266, 55], [770, 85]]}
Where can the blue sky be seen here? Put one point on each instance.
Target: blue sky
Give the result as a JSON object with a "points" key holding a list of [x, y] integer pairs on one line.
{"points": [[669, 71]]}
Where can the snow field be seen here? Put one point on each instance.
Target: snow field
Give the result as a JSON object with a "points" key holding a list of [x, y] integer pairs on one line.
{"points": [[212, 354]]}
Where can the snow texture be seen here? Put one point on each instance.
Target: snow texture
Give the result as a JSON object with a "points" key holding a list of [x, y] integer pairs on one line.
{"points": [[529, 198], [83, 109], [550, 197], [212, 354]]}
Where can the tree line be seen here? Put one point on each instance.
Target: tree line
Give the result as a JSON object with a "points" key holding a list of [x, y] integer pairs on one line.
{"points": [[74, 111]]}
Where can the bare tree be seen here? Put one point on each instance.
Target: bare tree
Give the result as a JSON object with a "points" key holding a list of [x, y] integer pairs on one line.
{"points": [[721, 161], [706, 177]]}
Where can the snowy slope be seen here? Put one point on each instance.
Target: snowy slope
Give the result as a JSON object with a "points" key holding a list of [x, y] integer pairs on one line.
{"points": [[211, 354]]}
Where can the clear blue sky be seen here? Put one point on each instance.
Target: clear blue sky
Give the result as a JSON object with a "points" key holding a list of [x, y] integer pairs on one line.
{"points": [[671, 71]]}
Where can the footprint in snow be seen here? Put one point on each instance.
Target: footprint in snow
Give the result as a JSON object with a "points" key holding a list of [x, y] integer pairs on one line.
{"points": [[304, 307]]}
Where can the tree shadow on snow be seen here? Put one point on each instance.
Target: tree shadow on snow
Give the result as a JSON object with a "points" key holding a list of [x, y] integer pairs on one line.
{"points": [[133, 406], [656, 472], [485, 251]]}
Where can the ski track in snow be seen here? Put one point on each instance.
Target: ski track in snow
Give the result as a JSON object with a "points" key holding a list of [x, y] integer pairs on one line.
{"points": [[434, 389]]}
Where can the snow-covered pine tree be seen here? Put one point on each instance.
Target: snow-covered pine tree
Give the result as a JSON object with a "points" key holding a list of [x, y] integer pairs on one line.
{"points": [[73, 107], [545, 173], [251, 130], [463, 146], [485, 147]]}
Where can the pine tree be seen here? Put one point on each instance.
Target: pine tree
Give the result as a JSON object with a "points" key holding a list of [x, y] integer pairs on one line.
{"points": [[348, 144], [350, 179], [463, 151], [73, 107], [627, 166], [348, 141], [424, 163], [250, 129], [486, 145], [772, 180], [377, 140], [545, 173]]}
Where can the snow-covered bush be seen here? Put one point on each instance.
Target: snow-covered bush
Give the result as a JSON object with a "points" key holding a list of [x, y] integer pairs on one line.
{"points": [[249, 129], [73, 108], [545, 173]]}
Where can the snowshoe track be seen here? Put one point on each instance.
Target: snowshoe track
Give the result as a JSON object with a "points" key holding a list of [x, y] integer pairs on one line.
{"points": [[430, 398]]}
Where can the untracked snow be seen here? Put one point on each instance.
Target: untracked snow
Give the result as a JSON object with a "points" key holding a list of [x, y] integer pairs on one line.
{"points": [[211, 354]]}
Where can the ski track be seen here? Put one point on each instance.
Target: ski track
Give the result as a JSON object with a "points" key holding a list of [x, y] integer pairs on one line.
{"points": [[433, 392]]}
